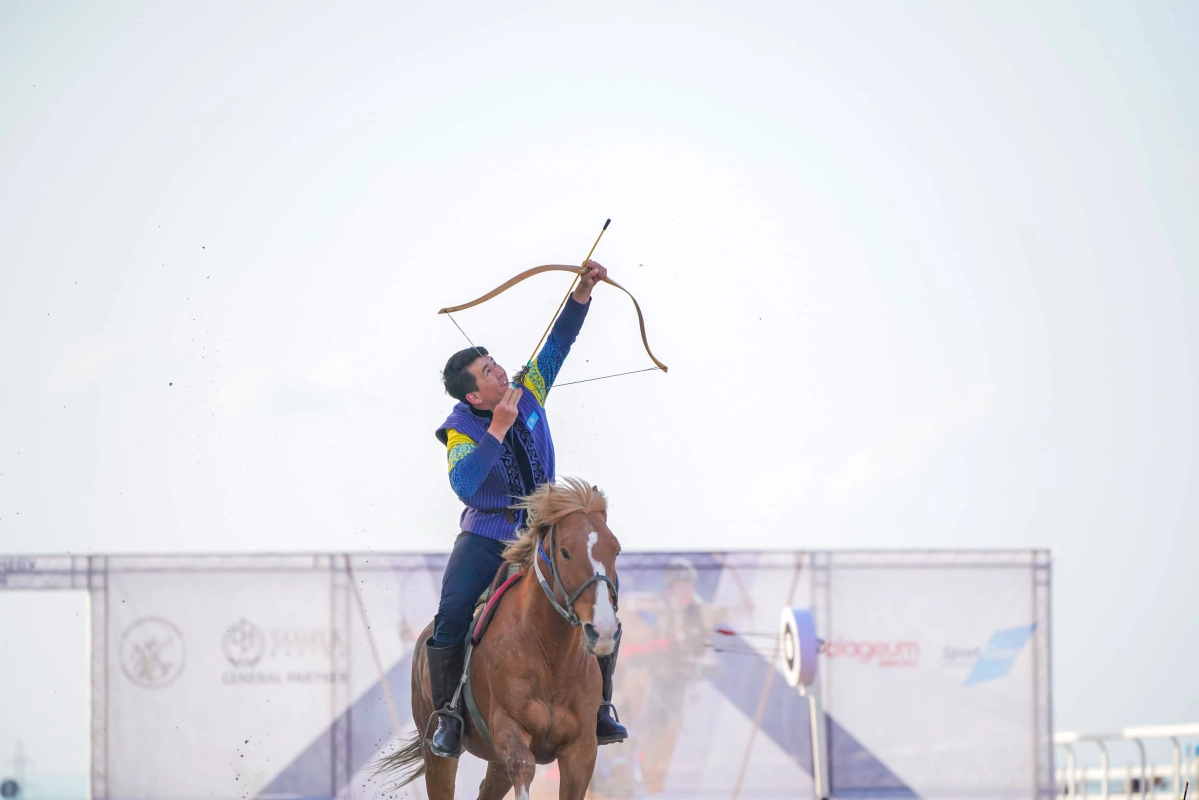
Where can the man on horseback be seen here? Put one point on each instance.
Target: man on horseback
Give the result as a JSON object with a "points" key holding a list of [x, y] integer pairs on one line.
{"points": [[498, 449]]}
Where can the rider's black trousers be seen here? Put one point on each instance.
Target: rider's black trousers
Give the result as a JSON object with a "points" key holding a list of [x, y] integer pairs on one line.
{"points": [[473, 563]]}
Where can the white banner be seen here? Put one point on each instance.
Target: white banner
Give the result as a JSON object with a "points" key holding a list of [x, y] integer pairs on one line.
{"points": [[285, 677]]}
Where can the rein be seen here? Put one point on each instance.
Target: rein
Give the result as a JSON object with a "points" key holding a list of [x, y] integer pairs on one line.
{"points": [[567, 609]]}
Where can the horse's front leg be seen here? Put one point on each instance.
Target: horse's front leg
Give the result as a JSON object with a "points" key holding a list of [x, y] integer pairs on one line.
{"points": [[512, 749], [495, 783], [576, 763], [439, 776]]}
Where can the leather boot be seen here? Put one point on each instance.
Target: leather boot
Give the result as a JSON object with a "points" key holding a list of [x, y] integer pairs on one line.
{"points": [[445, 672], [608, 729]]}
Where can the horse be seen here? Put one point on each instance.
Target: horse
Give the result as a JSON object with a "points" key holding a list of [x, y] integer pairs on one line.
{"points": [[535, 683]]}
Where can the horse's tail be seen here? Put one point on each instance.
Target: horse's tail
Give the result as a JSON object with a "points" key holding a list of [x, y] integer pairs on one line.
{"points": [[407, 763]]}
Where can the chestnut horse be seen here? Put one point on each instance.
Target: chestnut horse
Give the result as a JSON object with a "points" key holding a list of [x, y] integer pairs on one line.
{"points": [[534, 678]]}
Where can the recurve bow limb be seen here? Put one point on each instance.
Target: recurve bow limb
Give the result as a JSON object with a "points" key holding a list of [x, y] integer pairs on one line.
{"points": [[528, 273]]}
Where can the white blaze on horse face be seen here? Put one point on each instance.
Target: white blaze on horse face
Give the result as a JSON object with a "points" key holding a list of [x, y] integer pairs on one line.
{"points": [[604, 616]]}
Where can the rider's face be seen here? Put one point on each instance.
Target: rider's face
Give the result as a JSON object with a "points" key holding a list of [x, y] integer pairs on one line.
{"points": [[492, 381]]}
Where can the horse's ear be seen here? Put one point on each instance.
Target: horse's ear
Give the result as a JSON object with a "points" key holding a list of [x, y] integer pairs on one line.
{"points": [[603, 513]]}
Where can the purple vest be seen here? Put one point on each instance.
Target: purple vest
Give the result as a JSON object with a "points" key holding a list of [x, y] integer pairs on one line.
{"points": [[486, 513]]}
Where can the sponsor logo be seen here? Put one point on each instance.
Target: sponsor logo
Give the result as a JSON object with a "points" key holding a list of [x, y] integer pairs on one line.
{"points": [[895, 654], [244, 644], [1000, 654], [275, 656], [152, 653], [960, 656]]}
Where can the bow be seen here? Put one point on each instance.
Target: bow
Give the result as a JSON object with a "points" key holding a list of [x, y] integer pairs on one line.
{"points": [[528, 273]]}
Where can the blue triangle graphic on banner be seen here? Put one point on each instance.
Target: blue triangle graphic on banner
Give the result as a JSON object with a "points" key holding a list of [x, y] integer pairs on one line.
{"points": [[856, 773]]}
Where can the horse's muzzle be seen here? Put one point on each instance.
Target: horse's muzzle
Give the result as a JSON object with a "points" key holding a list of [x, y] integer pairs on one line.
{"points": [[597, 645]]}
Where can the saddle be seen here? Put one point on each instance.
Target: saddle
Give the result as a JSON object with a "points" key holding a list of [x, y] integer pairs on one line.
{"points": [[507, 576]]}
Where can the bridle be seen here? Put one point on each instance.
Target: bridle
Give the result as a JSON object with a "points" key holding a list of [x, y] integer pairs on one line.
{"points": [[567, 609]]}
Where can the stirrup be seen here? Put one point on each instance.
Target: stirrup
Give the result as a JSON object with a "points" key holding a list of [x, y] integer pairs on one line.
{"points": [[431, 728], [446, 711], [612, 709]]}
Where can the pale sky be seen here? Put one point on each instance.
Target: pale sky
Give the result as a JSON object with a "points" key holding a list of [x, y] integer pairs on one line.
{"points": [[925, 275]]}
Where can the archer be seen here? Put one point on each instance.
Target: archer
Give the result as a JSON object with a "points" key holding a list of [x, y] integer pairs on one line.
{"points": [[498, 448]]}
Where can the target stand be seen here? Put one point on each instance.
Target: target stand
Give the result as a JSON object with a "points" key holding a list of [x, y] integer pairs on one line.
{"points": [[801, 652]]}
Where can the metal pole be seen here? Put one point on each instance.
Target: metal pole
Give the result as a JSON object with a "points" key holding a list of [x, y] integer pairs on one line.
{"points": [[820, 782], [1071, 774], [1176, 775], [1144, 788], [1103, 765]]}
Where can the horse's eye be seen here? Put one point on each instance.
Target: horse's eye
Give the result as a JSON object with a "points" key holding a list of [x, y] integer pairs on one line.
{"points": [[565, 554]]}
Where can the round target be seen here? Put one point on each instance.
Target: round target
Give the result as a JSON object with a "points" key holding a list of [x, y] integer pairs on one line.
{"points": [[797, 633]]}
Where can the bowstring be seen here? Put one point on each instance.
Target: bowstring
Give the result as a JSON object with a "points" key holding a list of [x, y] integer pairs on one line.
{"points": [[556, 385], [605, 377], [468, 339]]}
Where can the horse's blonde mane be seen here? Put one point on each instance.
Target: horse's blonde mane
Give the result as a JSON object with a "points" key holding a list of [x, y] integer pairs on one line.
{"points": [[547, 506]]}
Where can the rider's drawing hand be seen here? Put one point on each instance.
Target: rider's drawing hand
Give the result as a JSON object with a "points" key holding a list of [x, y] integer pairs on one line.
{"points": [[596, 272], [505, 413]]}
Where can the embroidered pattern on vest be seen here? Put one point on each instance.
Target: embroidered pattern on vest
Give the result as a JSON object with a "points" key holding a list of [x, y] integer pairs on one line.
{"points": [[512, 473], [526, 441]]}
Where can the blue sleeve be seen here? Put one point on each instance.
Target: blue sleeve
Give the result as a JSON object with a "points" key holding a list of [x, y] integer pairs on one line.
{"points": [[557, 345], [470, 467]]}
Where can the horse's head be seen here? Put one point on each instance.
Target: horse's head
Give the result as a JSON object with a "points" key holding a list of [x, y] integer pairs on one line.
{"points": [[585, 550], [568, 543]]}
